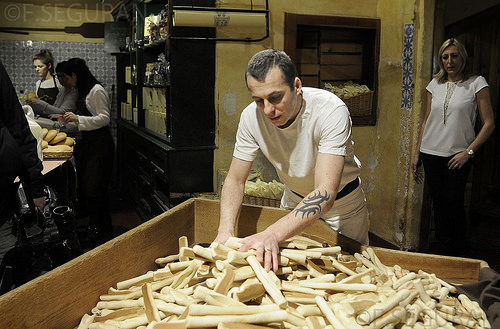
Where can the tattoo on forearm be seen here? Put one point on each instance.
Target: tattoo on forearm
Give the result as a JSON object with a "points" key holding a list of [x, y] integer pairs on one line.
{"points": [[312, 205]]}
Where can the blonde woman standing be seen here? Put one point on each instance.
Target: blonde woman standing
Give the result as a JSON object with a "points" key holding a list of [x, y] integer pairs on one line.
{"points": [[447, 141]]}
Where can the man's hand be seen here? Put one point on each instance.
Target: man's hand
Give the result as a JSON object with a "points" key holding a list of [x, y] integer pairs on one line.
{"points": [[266, 247], [222, 237], [39, 203]]}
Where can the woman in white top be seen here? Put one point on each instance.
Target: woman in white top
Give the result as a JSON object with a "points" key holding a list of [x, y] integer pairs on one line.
{"points": [[48, 86], [94, 152], [447, 141]]}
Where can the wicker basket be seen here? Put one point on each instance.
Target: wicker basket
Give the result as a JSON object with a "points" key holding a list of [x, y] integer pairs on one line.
{"points": [[57, 155], [261, 201], [360, 105]]}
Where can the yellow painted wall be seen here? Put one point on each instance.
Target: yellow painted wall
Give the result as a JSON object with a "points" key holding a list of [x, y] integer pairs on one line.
{"points": [[385, 149], [50, 15]]}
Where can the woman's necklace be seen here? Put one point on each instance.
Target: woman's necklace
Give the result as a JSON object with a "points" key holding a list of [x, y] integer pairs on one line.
{"points": [[450, 89]]}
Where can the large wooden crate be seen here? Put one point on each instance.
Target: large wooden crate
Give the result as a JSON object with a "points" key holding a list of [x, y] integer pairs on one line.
{"points": [[59, 298]]}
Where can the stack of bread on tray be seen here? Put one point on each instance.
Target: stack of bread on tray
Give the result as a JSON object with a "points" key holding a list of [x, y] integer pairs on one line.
{"points": [[56, 144]]}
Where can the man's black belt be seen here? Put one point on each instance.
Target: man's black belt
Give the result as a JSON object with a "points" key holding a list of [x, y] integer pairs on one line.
{"points": [[348, 188]]}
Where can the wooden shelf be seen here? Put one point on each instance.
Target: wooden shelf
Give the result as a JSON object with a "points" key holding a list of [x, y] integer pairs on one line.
{"points": [[156, 162]]}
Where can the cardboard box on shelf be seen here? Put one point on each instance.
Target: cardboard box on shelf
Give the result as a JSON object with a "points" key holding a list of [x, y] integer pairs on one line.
{"points": [[128, 74], [59, 298]]}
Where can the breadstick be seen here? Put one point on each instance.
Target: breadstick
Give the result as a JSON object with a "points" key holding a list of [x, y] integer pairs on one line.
{"points": [[241, 326], [185, 276], [166, 260], [307, 253], [408, 277], [314, 269], [169, 308], [313, 322], [342, 267], [395, 316], [149, 304], [290, 286], [238, 257], [213, 298], [328, 313], [270, 287], [325, 278], [141, 279], [458, 319], [178, 324], [249, 291], [203, 252], [213, 321], [298, 258], [309, 310], [233, 243], [429, 310], [197, 309], [223, 284], [343, 313], [183, 242], [360, 277], [117, 304], [378, 309], [339, 286], [295, 318], [375, 260], [452, 288], [299, 297], [469, 306], [121, 314], [179, 266], [189, 253], [243, 273], [328, 251]]}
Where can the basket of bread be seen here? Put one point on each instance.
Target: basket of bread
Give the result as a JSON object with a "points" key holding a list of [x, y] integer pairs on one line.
{"points": [[262, 193], [357, 98], [57, 145]]}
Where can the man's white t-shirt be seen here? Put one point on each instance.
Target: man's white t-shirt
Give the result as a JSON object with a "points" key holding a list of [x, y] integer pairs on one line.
{"points": [[448, 137], [323, 125]]}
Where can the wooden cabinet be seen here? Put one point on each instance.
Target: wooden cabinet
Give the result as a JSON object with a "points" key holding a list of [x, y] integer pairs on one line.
{"points": [[166, 130], [335, 50]]}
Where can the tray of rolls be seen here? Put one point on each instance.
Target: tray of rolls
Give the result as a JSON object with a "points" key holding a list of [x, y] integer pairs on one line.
{"points": [[56, 145]]}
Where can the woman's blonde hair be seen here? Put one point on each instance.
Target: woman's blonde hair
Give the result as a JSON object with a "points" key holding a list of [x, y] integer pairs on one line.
{"points": [[442, 75]]}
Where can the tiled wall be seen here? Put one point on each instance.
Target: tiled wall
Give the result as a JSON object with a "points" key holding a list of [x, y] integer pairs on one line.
{"points": [[17, 57]]}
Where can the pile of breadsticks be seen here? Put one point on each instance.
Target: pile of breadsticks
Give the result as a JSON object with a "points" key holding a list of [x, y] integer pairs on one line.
{"points": [[316, 286]]}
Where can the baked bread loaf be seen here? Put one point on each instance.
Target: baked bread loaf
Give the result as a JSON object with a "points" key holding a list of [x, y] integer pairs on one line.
{"points": [[60, 137], [50, 135]]}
